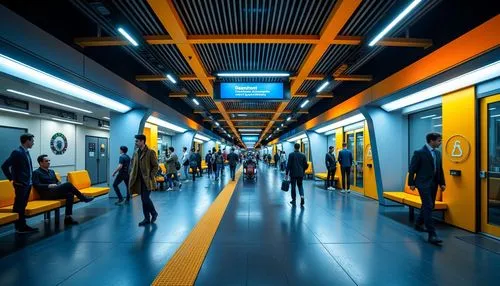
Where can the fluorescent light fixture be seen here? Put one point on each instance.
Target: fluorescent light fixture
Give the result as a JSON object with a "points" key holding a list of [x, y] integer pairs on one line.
{"points": [[250, 134], [394, 22], [282, 124], [304, 103], [107, 118], [431, 103], [330, 132], [437, 117], [242, 74], [67, 121], [492, 108], [195, 101], [171, 78], [201, 137], [354, 126], [217, 123], [341, 123], [163, 123], [49, 101], [128, 37], [293, 139], [250, 130], [198, 141], [242, 115], [20, 70], [14, 111], [325, 84], [218, 142], [278, 129], [438, 125], [428, 116], [288, 118], [471, 78]]}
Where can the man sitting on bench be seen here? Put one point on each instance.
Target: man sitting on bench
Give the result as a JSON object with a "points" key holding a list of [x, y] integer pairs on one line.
{"points": [[49, 188]]}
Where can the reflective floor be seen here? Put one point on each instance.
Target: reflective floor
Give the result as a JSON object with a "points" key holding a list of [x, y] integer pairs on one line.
{"points": [[335, 239], [107, 248], [262, 240]]}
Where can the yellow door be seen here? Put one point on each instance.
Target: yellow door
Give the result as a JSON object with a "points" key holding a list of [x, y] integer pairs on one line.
{"points": [[355, 143], [490, 165]]}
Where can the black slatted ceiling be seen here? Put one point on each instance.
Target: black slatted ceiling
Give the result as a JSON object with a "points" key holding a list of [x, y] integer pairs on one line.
{"points": [[208, 102], [252, 57], [294, 102], [235, 105], [194, 86], [298, 17], [309, 85]]}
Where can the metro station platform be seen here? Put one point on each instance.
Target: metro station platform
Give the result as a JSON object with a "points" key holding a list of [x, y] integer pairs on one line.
{"points": [[336, 239]]}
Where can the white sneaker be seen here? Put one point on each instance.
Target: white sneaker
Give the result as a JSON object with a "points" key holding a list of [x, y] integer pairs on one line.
{"points": [[343, 191], [349, 191], [333, 189], [330, 188], [169, 189]]}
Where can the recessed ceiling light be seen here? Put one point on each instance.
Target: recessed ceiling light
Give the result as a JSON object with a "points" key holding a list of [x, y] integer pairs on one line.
{"points": [[163, 123], [304, 103], [128, 37], [242, 74], [325, 84], [171, 78], [196, 101]]}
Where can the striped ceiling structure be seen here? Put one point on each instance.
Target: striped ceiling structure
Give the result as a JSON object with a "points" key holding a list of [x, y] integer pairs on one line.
{"points": [[314, 41]]}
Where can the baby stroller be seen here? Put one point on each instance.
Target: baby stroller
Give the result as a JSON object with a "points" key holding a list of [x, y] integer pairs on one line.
{"points": [[249, 169]]}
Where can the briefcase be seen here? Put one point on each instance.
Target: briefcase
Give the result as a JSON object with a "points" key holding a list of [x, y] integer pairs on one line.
{"points": [[285, 186]]}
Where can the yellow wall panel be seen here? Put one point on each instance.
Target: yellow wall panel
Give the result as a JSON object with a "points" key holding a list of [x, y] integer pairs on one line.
{"points": [[339, 140], [459, 117], [369, 182], [151, 132]]}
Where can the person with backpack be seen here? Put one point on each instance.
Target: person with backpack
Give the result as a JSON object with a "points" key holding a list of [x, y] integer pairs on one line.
{"points": [[193, 163], [208, 161], [172, 162], [185, 163], [331, 166], [219, 161]]}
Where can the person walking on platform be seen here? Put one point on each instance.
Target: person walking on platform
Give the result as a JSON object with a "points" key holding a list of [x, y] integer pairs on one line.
{"points": [[282, 161], [208, 161], [219, 161], [331, 166], [18, 168], [214, 164], [346, 161], [193, 163], [142, 177], [185, 163], [295, 170], [49, 188], [198, 162], [172, 162], [426, 175], [123, 175], [233, 161], [276, 159]]}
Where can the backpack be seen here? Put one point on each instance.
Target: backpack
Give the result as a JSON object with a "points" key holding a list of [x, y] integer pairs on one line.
{"points": [[177, 165]]}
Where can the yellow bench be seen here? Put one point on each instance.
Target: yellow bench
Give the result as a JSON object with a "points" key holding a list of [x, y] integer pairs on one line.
{"points": [[322, 176], [81, 181], [412, 199], [160, 179], [309, 171], [34, 207], [204, 167], [6, 218]]}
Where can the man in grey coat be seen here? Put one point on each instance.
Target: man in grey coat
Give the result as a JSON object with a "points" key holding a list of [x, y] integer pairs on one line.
{"points": [[171, 162]]}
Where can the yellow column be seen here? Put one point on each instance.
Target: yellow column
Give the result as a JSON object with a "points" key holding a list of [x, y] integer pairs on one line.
{"points": [[151, 132], [370, 186], [459, 119]]}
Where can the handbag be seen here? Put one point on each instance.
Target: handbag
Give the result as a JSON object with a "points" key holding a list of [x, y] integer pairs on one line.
{"points": [[285, 186]]}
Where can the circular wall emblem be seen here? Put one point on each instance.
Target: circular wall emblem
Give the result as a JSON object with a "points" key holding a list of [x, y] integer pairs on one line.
{"points": [[457, 148], [58, 143]]}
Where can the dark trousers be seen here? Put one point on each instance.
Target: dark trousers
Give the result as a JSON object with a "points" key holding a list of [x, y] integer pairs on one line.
{"points": [[428, 197], [20, 202], [193, 171], [121, 178], [346, 178], [147, 204], [330, 178], [63, 191], [209, 169], [297, 181], [232, 171], [171, 178], [200, 170]]}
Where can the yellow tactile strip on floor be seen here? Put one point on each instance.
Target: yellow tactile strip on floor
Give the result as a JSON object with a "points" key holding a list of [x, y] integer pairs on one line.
{"points": [[183, 267]]}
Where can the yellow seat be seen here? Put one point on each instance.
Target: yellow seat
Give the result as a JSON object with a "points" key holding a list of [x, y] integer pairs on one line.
{"points": [[309, 170], [321, 176], [416, 202], [35, 207], [6, 218], [81, 180], [395, 196]]}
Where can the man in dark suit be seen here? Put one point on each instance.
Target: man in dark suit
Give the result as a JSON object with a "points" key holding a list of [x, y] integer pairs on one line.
{"points": [[426, 174], [18, 168], [295, 167], [233, 161], [331, 166], [49, 188], [346, 161]]}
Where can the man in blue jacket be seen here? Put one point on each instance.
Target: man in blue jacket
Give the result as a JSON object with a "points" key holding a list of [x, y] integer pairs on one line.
{"points": [[346, 161], [18, 168], [426, 174]]}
